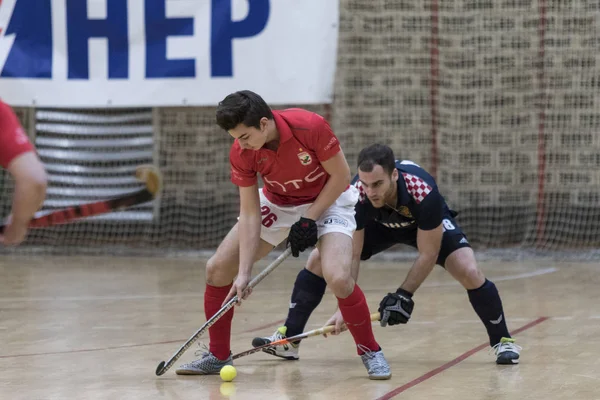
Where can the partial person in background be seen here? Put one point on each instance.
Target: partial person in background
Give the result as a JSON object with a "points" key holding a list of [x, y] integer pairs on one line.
{"points": [[18, 156], [400, 203]]}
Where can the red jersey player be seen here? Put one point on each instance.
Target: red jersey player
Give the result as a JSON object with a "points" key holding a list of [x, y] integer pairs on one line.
{"points": [[306, 199], [19, 157]]}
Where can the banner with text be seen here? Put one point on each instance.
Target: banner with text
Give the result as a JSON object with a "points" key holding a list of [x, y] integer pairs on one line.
{"points": [[122, 53]]}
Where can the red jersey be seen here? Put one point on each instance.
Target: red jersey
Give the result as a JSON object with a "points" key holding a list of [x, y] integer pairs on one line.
{"points": [[13, 140], [293, 175]]}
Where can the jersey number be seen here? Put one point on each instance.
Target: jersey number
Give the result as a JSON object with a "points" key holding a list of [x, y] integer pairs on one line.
{"points": [[447, 225], [268, 217]]}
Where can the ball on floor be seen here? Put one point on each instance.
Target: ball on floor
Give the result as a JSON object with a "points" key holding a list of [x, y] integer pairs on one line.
{"points": [[228, 373]]}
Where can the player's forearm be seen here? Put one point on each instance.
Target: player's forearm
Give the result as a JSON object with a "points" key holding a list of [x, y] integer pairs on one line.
{"points": [[417, 274], [28, 197], [335, 186], [249, 237]]}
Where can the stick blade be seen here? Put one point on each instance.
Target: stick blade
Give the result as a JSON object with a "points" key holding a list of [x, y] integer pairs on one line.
{"points": [[160, 369], [151, 177]]}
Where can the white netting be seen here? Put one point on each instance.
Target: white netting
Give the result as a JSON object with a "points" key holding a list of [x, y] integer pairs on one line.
{"points": [[508, 90], [490, 95]]}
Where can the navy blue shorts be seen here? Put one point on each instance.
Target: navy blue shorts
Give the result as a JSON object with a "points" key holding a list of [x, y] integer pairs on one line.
{"points": [[379, 238]]}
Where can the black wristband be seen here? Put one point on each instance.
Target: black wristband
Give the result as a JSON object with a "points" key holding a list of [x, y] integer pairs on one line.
{"points": [[404, 293]]}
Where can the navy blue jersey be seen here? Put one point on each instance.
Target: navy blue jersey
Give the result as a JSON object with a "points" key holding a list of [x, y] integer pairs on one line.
{"points": [[420, 204]]}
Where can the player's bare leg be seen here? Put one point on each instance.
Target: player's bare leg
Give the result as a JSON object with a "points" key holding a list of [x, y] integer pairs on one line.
{"points": [[221, 269], [485, 299], [335, 251], [462, 266], [314, 263], [336, 257]]}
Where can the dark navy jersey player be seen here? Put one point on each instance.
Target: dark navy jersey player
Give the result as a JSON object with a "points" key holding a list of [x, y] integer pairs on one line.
{"points": [[400, 203], [417, 204]]}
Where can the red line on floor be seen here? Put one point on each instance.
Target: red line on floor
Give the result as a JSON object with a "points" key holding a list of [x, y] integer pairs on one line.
{"points": [[452, 363], [265, 326], [128, 346]]}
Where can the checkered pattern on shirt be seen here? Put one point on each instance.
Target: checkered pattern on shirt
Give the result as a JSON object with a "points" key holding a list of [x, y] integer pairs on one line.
{"points": [[417, 187]]}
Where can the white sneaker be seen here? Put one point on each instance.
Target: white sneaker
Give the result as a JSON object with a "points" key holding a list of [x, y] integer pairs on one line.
{"points": [[376, 364], [507, 352], [287, 351]]}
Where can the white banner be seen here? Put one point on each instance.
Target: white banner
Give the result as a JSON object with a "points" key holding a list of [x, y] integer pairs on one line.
{"points": [[117, 53]]}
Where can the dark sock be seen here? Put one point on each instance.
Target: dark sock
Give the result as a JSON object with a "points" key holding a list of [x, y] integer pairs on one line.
{"points": [[308, 292], [487, 304]]}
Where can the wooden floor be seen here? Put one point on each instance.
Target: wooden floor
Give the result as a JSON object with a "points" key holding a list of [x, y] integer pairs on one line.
{"points": [[96, 328]]}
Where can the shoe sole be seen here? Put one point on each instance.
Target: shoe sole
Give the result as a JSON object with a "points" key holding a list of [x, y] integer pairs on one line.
{"points": [[187, 372], [272, 352], [380, 378], [512, 362]]}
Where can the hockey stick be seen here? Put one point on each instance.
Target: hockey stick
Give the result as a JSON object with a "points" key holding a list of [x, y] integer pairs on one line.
{"points": [[315, 332], [147, 174], [164, 366]]}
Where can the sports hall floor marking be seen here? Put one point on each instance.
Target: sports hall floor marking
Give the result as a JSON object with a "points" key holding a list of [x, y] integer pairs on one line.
{"points": [[452, 363], [512, 277], [128, 346], [499, 278], [587, 376]]}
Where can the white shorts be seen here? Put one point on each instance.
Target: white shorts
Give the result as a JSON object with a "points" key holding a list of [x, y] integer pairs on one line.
{"points": [[277, 220]]}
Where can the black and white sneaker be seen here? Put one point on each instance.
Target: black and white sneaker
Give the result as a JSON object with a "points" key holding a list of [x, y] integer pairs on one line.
{"points": [[507, 352], [288, 351]]}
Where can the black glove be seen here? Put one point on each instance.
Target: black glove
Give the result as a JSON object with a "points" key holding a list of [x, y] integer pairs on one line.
{"points": [[303, 234], [395, 308]]}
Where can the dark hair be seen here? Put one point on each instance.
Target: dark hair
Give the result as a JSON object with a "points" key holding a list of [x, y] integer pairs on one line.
{"points": [[377, 154], [243, 107]]}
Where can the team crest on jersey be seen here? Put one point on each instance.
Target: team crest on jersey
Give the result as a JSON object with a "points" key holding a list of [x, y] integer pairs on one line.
{"points": [[405, 212], [304, 158]]}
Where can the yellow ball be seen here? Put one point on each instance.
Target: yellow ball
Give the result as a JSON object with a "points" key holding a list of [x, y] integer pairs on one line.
{"points": [[228, 373]]}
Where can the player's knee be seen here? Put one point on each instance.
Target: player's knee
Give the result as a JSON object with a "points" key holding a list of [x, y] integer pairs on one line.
{"points": [[217, 273], [472, 276], [211, 270], [463, 266], [341, 284]]}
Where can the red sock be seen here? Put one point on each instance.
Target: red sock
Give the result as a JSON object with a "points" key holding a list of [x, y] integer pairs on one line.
{"points": [[220, 332], [358, 319]]}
